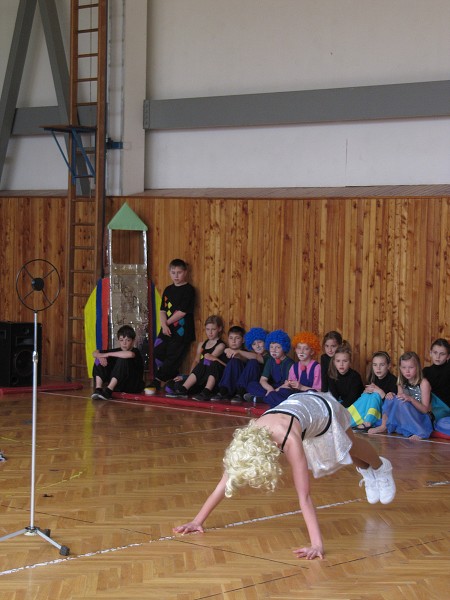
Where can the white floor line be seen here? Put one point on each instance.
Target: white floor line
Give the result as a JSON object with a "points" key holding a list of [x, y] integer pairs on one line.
{"points": [[58, 561], [436, 483]]}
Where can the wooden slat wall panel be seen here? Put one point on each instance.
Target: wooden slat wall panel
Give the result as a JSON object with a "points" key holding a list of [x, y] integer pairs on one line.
{"points": [[376, 269], [33, 228]]}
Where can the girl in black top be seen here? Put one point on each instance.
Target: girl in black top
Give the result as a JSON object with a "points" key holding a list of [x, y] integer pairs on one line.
{"points": [[331, 341], [344, 382], [381, 383]]}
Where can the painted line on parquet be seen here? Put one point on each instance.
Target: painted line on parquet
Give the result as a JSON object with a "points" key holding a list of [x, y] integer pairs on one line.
{"points": [[437, 483], [286, 514], [165, 539]]}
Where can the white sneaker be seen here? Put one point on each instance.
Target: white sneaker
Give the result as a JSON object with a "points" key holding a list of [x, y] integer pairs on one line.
{"points": [[385, 481], [372, 490]]}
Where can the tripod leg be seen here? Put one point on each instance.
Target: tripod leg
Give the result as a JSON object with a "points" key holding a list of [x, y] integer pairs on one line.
{"points": [[63, 550], [12, 535]]}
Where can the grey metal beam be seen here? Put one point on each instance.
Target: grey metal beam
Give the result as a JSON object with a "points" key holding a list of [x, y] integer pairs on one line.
{"points": [[29, 121], [57, 56], [14, 71], [394, 101], [60, 72]]}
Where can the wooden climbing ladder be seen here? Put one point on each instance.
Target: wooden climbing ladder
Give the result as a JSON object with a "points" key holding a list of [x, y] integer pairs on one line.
{"points": [[86, 204]]}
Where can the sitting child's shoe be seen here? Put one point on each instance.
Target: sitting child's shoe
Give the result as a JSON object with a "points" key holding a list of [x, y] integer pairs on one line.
{"points": [[170, 386], [2, 457], [385, 481], [221, 395], [97, 394], [179, 391], [252, 398], [154, 383], [105, 394], [370, 482], [237, 399], [205, 394]]}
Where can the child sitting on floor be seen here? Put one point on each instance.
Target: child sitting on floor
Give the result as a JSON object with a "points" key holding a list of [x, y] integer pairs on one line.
{"points": [[207, 352], [275, 370], [408, 412], [344, 382], [304, 374], [381, 384], [242, 365], [229, 362], [119, 369], [330, 343], [438, 374]]}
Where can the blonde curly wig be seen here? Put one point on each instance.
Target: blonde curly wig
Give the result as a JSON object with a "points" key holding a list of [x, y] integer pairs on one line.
{"points": [[252, 459]]}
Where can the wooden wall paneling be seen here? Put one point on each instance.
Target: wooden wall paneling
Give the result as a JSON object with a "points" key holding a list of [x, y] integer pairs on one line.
{"points": [[370, 328], [324, 300], [302, 266], [281, 299], [414, 281], [53, 250], [192, 253], [153, 215], [380, 250], [224, 267], [432, 273], [265, 222], [260, 271], [288, 279], [375, 269], [336, 277], [265, 274], [237, 262], [311, 307], [7, 253], [214, 263], [332, 250], [229, 265], [361, 234], [423, 250], [387, 270], [351, 283], [443, 295], [252, 251], [201, 268], [400, 274]]}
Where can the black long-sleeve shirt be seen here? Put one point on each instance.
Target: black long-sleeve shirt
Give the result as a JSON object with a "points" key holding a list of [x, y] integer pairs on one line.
{"points": [[346, 388]]}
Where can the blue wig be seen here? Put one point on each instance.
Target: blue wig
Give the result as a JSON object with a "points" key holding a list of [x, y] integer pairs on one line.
{"points": [[255, 333], [279, 337]]}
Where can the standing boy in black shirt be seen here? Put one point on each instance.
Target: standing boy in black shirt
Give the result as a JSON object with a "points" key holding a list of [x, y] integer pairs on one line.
{"points": [[177, 324]]}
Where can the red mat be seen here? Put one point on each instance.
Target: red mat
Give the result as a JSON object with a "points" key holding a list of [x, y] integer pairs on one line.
{"points": [[45, 387], [244, 409]]}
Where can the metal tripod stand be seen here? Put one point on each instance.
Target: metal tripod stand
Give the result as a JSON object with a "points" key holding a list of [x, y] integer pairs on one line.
{"points": [[32, 294]]}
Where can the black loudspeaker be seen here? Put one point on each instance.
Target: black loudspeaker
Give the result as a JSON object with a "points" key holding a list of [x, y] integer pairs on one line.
{"points": [[16, 353]]}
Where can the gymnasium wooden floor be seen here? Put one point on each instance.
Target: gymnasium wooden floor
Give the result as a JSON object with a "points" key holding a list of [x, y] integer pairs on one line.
{"points": [[113, 478]]}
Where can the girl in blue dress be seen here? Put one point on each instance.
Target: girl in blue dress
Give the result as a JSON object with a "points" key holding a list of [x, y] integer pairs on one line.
{"points": [[381, 384], [408, 412]]}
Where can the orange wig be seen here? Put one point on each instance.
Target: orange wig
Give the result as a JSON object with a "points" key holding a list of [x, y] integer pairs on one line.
{"points": [[309, 338]]}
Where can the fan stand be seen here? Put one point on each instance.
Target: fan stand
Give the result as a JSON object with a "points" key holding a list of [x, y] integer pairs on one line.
{"points": [[37, 285]]}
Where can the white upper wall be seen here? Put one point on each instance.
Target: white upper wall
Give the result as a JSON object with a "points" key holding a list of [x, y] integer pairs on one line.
{"points": [[222, 47], [217, 47], [212, 47]]}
